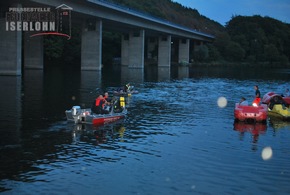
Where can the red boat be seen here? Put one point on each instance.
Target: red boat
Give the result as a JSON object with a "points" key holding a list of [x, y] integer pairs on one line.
{"points": [[251, 113], [270, 95], [278, 106], [86, 116]]}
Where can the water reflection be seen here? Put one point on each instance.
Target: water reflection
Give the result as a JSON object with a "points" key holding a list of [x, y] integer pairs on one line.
{"points": [[279, 124], [173, 128], [36, 145], [98, 134], [183, 72], [10, 110], [132, 75], [91, 86], [33, 91], [163, 73], [255, 129]]}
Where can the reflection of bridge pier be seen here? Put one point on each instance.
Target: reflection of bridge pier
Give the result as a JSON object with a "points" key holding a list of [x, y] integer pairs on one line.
{"points": [[33, 88], [33, 51], [183, 72], [91, 81], [11, 110], [131, 75], [163, 73]]}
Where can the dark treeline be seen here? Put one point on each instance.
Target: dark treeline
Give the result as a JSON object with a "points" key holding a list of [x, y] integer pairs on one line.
{"points": [[254, 39]]}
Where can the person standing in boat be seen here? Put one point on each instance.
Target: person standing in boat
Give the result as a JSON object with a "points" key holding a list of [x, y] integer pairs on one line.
{"points": [[127, 87], [98, 106], [257, 96]]}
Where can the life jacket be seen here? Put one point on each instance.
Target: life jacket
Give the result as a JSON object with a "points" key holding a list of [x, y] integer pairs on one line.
{"points": [[99, 102], [256, 101]]}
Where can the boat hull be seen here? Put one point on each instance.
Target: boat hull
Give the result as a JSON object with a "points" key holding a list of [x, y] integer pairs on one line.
{"points": [[280, 111], [85, 116], [278, 106], [250, 113]]}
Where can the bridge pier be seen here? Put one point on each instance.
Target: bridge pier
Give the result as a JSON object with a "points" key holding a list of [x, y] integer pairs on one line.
{"points": [[183, 53], [91, 47], [164, 51], [136, 49], [10, 50], [33, 51], [125, 50], [132, 49]]}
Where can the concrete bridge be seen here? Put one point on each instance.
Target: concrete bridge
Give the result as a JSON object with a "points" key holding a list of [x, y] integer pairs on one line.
{"points": [[23, 24]]}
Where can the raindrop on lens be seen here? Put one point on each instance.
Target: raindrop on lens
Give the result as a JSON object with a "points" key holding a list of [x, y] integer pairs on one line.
{"points": [[222, 102], [267, 153]]}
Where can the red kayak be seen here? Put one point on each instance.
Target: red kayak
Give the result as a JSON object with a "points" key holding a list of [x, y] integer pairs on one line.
{"points": [[251, 113]]}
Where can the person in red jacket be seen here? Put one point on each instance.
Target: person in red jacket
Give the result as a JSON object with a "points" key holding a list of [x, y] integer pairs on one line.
{"points": [[98, 106]]}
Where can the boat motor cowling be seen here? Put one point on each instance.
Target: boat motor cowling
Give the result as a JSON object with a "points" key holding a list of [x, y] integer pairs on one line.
{"points": [[76, 110]]}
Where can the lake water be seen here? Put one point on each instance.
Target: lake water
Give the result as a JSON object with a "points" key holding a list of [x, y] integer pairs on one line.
{"points": [[174, 140]]}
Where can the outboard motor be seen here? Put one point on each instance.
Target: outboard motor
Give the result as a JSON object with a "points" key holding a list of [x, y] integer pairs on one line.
{"points": [[76, 110]]}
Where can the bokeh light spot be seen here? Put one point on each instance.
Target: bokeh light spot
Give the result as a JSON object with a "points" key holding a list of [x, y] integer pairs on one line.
{"points": [[222, 102], [267, 153]]}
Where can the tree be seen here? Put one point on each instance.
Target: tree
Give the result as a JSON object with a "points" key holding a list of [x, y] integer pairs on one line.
{"points": [[271, 53], [221, 42], [201, 54], [235, 52], [213, 53], [262, 38]]}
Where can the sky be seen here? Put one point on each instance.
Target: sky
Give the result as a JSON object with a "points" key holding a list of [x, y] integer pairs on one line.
{"points": [[222, 11]]}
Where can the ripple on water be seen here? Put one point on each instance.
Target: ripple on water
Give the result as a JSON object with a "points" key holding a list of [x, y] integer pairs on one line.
{"points": [[175, 140]]}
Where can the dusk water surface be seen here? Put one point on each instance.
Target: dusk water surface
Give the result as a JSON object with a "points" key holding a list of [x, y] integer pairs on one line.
{"points": [[174, 140]]}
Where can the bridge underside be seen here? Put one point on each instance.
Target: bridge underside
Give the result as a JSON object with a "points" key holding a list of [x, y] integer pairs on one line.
{"points": [[136, 43]]}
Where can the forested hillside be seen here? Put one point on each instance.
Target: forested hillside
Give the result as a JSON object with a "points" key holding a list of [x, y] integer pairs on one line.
{"points": [[174, 12], [260, 39]]}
